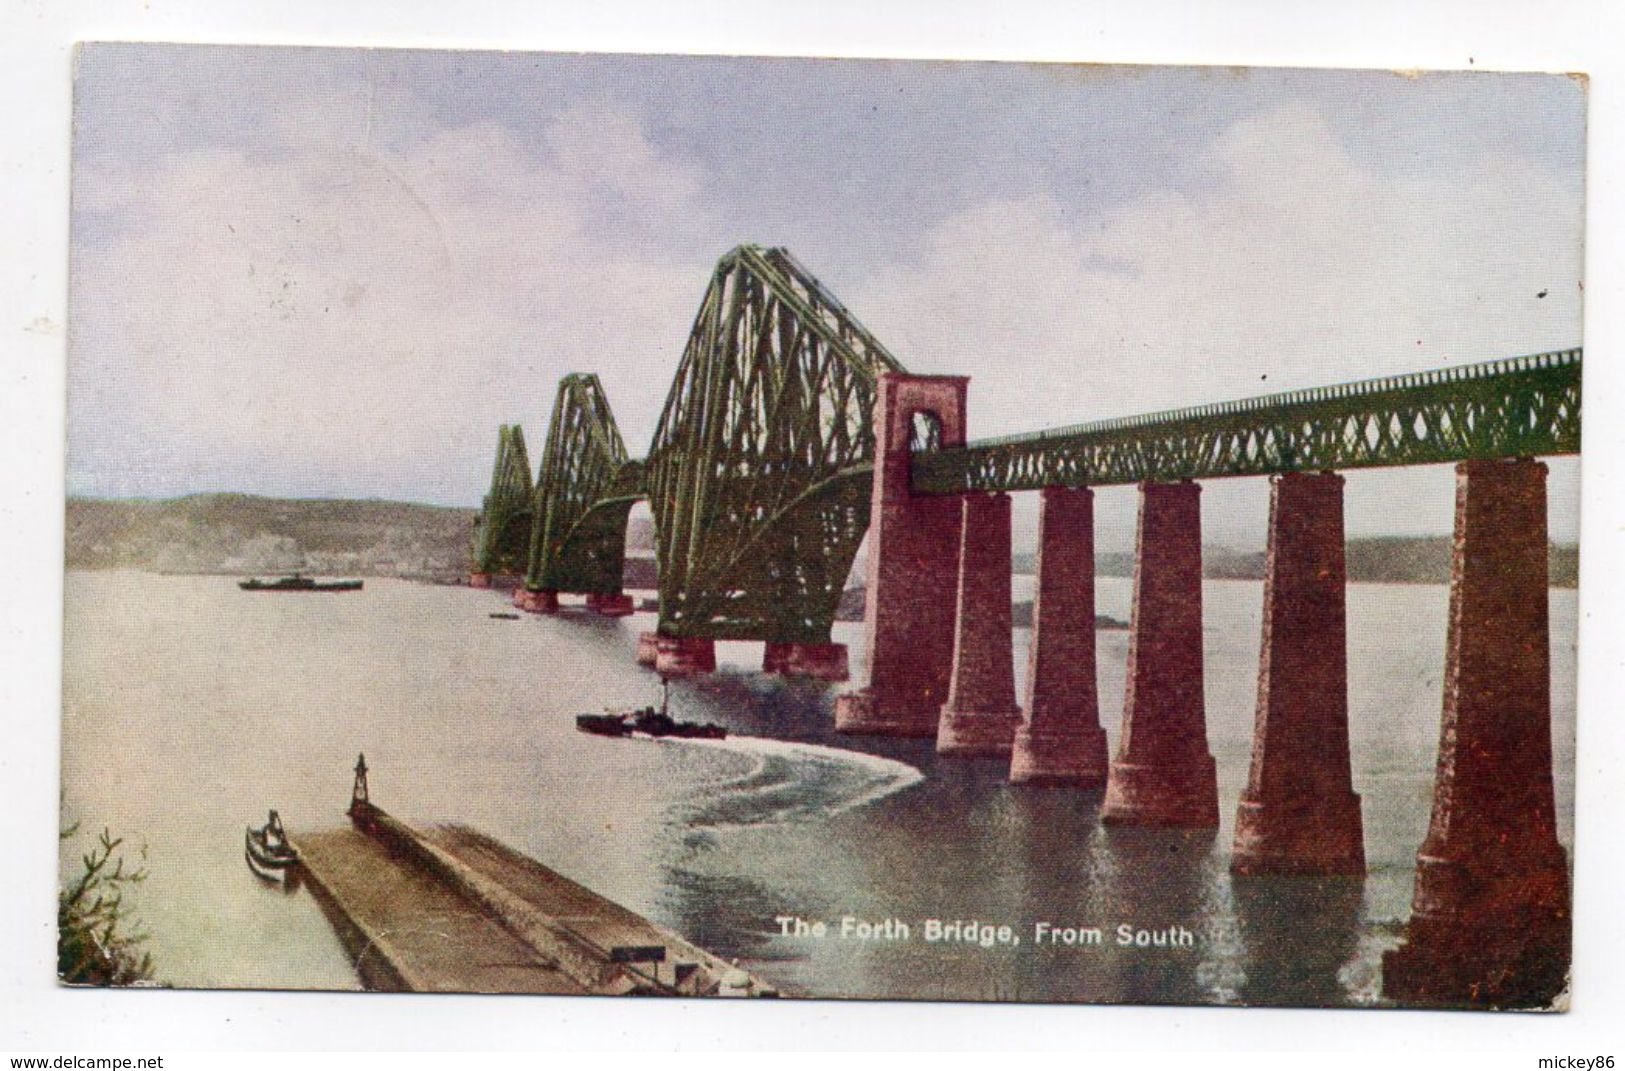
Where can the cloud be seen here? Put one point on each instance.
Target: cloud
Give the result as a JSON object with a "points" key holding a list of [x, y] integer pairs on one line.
{"points": [[1299, 268], [346, 321], [336, 306]]}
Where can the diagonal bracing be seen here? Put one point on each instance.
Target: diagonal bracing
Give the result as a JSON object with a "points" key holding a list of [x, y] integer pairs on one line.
{"points": [[1520, 407], [757, 476], [502, 529], [583, 495]]}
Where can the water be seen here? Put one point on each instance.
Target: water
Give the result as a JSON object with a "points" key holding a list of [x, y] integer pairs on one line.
{"points": [[190, 708]]}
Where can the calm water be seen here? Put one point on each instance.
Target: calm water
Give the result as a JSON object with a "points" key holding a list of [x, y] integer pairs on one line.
{"points": [[190, 708]]}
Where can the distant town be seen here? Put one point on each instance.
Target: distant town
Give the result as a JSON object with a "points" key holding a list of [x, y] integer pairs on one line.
{"points": [[233, 533]]}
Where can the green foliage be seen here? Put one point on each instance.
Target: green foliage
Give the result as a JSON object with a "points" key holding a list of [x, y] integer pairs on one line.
{"points": [[96, 942]]}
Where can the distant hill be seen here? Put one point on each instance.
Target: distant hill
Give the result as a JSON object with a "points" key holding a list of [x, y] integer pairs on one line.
{"points": [[229, 533], [1371, 560]]}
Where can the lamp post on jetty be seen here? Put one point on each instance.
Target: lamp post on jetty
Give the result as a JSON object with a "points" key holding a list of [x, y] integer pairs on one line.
{"points": [[359, 802]]}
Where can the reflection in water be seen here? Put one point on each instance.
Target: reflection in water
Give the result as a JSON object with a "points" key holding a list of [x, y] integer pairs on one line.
{"points": [[1298, 933], [730, 915], [1055, 837], [471, 720], [1158, 880]]}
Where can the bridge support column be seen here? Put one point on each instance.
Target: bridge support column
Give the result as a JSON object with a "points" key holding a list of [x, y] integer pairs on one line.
{"points": [[818, 661], [980, 717], [1061, 741], [775, 656], [913, 562], [1490, 918], [685, 656], [648, 649], [615, 605], [479, 580], [536, 602], [1163, 774], [1299, 813]]}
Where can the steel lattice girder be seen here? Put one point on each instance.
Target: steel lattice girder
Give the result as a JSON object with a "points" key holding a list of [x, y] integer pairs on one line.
{"points": [[1520, 407], [502, 529], [586, 488], [757, 477]]}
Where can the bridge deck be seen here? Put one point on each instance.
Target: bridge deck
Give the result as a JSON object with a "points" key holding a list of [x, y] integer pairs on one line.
{"points": [[1522, 407]]}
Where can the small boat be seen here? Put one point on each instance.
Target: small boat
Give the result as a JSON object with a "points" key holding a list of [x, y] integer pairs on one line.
{"points": [[649, 722], [657, 723], [267, 850], [504, 616], [296, 582], [604, 724]]}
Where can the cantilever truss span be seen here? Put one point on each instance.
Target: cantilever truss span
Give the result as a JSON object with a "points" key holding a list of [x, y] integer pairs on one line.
{"points": [[761, 470], [502, 529], [1520, 407], [583, 495], [759, 475]]}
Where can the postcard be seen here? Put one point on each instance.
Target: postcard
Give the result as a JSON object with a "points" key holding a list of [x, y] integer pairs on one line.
{"points": [[739, 527]]}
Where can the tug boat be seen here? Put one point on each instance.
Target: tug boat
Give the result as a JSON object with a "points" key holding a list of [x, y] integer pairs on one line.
{"points": [[267, 850], [296, 582], [649, 722]]}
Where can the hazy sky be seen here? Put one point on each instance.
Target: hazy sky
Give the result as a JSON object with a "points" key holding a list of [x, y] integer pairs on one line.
{"points": [[335, 272]]}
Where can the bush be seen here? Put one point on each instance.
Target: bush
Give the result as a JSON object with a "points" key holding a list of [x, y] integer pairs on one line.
{"points": [[96, 943]]}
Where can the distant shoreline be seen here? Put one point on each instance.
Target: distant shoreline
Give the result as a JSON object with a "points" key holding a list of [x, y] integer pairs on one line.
{"points": [[236, 534]]}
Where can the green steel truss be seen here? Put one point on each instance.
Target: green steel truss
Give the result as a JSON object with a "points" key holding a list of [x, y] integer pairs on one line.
{"points": [[585, 490], [759, 477], [502, 529], [1520, 407], [760, 473]]}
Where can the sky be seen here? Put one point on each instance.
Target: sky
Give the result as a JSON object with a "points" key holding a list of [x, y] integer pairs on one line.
{"points": [[335, 272]]}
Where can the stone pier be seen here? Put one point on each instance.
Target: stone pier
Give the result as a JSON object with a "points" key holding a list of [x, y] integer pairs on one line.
{"points": [[775, 656], [913, 563], [1163, 774], [817, 661], [648, 648], [1299, 813], [1060, 740], [479, 580], [616, 604], [685, 656], [980, 717], [1490, 919], [536, 602]]}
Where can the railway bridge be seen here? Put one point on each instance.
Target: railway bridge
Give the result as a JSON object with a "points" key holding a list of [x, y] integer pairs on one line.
{"points": [[790, 432]]}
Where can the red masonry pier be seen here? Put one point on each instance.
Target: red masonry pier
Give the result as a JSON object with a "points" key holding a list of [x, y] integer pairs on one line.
{"points": [[1060, 741], [775, 656], [1490, 919], [536, 602], [685, 656], [648, 649], [980, 717], [1163, 774], [616, 604], [479, 580], [818, 661], [913, 563], [1299, 813]]}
